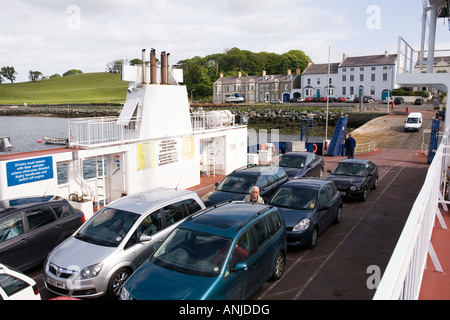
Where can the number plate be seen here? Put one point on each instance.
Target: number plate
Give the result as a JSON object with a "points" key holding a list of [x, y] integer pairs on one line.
{"points": [[342, 193], [57, 284]]}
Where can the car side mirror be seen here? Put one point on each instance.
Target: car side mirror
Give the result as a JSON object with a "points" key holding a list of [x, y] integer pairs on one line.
{"points": [[329, 171], [240, 266], [216, 184], [144, 238]]}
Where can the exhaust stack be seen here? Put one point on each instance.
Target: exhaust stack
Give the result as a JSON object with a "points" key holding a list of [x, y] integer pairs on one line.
{"points": [[153, 66]]}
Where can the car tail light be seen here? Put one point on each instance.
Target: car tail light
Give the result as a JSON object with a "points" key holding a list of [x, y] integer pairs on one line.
{"points": [[83, 219], [35, 289]]}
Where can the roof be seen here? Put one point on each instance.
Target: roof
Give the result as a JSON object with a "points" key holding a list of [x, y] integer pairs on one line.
{"points": [[310, 183], [18, 203], [321, 68], [258, 79], [374, 60], [225, 219], [144, 201], [255, 170]]}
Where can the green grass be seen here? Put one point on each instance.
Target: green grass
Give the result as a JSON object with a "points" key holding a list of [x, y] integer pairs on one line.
{"points": [[83, 88]]}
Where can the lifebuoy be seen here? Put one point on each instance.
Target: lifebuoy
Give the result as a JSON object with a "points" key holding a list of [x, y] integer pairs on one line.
{"points": [[314, 148]]}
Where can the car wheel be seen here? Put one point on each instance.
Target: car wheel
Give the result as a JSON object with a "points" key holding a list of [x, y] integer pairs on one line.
{"points": [[375, 184], [279, 266], [117, 281], [338, 216], [313, 240]]}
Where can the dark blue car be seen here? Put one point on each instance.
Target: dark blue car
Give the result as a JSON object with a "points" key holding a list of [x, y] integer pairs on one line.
{"points": [[308, 207], [239, 183], [301, 164], [223, 252]]}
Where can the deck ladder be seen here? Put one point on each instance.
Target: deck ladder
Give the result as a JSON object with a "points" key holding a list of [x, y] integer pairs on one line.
{"points": [[101, 191], [211, 158]]}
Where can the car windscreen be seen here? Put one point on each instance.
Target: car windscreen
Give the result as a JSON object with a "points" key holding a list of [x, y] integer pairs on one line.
{"points": [[299, 198], [193, 252], [350, 169], [413, 120], [108, 227], [292, 162], [237, 184]]}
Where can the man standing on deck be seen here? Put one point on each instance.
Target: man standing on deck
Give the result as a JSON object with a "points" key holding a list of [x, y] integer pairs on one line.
{"points": [[350, 145]]}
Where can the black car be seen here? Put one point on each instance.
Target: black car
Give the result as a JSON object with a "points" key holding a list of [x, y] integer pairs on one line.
{"points": [[419, 101], [354, 177], [301, 164], [31, 227], [308, 207], [239, 183], [399, 100]]}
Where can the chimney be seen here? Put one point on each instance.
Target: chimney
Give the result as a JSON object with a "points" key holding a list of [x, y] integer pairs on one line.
{"points": [[221, 75], [239, 74], [309, 63], [386, 54], [298, 72], [163, 68], [345, 56], [153, 67], [264, 73], [143, 67], [289, 72]]}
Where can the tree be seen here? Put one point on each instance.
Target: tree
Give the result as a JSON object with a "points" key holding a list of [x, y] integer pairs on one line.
{"points": [[114, 66], [9, 73], [72, 72], [34, 75]]}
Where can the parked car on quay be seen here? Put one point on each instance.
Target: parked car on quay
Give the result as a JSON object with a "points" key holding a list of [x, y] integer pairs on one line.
{"points": [[308, 99], [399, 100], [340, 99], [308, 207], [239, 183], [302, 164], [31, 227], [323, 99], [17, 286], [367, 99], [225, 252], [106, 250], [419, 102], [354, 177]]}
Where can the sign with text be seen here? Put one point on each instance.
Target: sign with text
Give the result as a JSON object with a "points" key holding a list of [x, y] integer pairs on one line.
{"points": [[29, 170]]}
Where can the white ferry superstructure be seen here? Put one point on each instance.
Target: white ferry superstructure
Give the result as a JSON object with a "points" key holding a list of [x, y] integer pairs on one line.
{"points": [[155, 142]]}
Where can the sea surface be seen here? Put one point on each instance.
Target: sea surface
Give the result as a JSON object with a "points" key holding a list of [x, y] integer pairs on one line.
{"points": [[24, 132]]}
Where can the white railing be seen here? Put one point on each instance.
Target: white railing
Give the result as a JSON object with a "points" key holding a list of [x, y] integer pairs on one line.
{"points": [[403, 275], [365, 148], [90, 132], [202, 120]]}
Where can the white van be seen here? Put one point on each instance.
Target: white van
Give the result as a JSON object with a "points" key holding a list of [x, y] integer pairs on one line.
{"points": [[414, 121]]}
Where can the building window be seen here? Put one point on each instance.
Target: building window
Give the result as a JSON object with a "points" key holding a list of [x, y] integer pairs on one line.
{"points": [[372, 90], [344, 91], [352, 78], [344, 78], [309, 81], [372, 77], [318, 80], [361, 69], [352, 91], [361, 77], [373, 68], [385, 75]]}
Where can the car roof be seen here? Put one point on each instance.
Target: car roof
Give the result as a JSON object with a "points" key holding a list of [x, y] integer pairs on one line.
{"points": [[361, 161], [12, 205], [142, 202], [254, 170], [302, 154], [310, 183], [225, 219]]}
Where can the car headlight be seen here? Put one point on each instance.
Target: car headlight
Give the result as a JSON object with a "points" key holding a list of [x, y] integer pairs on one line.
{"points": [[124, 294], [302, 225], [92, 271], [353, 188]]}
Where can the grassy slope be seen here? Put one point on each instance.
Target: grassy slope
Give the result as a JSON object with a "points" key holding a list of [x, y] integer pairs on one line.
{"points": [[83, 88]]}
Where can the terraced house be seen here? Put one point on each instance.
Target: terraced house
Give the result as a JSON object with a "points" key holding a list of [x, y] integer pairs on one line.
{"points": [[255, 89]]}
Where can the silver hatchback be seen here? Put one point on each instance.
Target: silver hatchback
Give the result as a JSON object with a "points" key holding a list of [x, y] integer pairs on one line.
{"points": [[99, 257]]}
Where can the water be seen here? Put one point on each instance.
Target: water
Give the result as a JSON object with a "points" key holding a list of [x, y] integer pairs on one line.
{"points": [[24, 132]]}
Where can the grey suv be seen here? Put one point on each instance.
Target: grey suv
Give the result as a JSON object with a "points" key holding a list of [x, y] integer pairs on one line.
{"points": [[103, 253]]}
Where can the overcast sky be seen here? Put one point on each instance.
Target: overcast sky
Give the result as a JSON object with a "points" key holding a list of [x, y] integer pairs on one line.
{"points": [[53, 36]]}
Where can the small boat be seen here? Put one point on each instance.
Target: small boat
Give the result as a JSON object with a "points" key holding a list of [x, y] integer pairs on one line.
{"points": [[53, 140]]}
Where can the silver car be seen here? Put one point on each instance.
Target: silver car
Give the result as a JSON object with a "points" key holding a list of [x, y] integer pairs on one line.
{"points": [[99, 257]]}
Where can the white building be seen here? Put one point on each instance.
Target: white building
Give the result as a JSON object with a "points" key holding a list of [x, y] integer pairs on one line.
{"points": [[364, 75]]}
